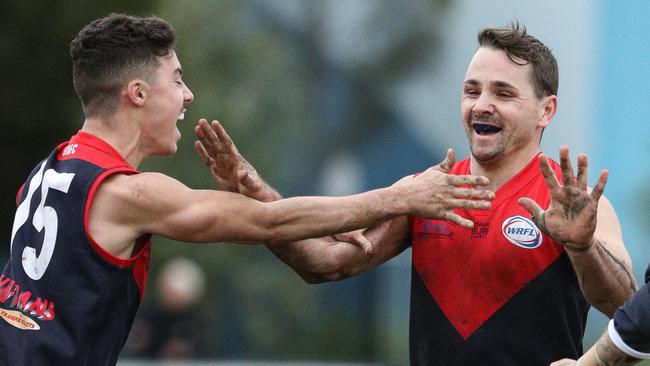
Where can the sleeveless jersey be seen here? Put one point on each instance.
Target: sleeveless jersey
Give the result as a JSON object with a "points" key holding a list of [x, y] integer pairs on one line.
{"points": [[501, 293], [63, 299]]}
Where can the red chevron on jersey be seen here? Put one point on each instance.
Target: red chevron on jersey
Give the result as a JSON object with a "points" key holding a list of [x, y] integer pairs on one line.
{"points": [[471, 273]]}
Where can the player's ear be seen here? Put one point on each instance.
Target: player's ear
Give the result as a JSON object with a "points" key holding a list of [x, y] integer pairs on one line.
{"points": [[548, 108], [136, 91]]}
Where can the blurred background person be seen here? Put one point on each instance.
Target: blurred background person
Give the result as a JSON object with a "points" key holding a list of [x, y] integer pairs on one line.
{"points": [[169, 326]]}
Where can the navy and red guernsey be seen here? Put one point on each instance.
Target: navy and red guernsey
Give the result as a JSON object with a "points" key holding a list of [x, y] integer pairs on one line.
{"points": [[629, 329], [63, 299], [501, 293]]}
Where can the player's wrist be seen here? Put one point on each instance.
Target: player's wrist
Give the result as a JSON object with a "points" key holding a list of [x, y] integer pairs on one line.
{"points": [[579, 248], [399, 200]]}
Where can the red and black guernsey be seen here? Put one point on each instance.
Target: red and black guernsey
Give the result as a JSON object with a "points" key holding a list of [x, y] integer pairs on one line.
{"points": [[63, 299], [501, 293]]}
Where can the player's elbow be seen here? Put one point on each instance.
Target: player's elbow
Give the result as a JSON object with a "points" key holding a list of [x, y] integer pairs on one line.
{"points": [[314, 278], [328, 271], [344, 264]]}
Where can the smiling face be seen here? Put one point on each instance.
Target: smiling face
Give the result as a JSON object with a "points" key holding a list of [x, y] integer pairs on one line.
{"points": [[501, 114], [167, 100]]}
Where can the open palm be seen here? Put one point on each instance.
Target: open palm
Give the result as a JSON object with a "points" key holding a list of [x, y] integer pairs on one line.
{"points": [[230, 170], [571, 216]]}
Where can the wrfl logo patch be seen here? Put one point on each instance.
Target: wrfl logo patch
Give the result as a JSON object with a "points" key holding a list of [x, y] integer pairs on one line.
{"points": [[521, 232]]}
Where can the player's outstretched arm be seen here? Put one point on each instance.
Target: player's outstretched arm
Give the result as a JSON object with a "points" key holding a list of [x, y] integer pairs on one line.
{"points": [[315, 260], [230, 169], [586, 224], [329, 259], [157, 204]]}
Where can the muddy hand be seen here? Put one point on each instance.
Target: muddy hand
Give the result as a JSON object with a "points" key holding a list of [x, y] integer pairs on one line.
{"points": [[435, 194], [571, 216], [230, 170]]}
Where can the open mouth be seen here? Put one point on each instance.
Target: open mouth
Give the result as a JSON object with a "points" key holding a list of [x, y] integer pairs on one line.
{"points": [[485, 129]]}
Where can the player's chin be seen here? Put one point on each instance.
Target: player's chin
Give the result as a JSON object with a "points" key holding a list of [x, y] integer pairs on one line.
{"points": [[484, 154], [170, 149], [173, 147], [177, 137]]}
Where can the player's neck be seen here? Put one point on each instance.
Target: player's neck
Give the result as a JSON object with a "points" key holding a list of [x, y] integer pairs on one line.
{"points": [[502, 168], [123, 137]]}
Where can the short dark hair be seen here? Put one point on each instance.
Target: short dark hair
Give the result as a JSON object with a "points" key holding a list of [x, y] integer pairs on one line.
{"points": [[109, 51], [522, 49]]}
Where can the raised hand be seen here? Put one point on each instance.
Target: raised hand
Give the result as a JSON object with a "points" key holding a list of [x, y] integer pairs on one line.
{"points": [[571, 216], [435, 194], [230, 170]]}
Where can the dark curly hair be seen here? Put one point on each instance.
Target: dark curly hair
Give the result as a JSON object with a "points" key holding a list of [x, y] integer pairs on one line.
{"points": [[523, 49], [110, 51]]}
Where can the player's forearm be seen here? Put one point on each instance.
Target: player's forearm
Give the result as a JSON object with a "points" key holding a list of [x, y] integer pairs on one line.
{"points": [[328, 259], [605, 353], [315, 260], [311, 217], [606, 281], [322, 259]]}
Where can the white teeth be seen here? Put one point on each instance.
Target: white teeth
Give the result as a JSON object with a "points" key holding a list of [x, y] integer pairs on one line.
{"points": [[182, 116]]}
